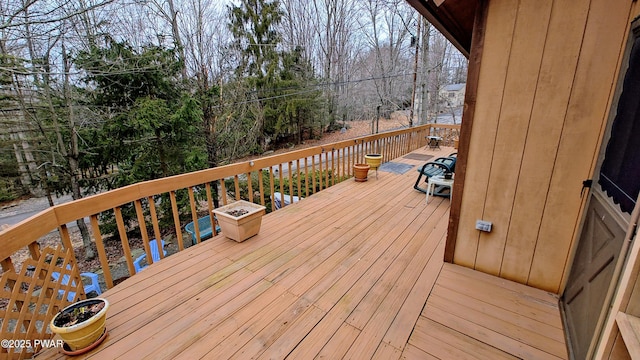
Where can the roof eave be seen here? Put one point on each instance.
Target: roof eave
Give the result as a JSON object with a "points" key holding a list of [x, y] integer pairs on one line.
{"points": [[454, 19]]}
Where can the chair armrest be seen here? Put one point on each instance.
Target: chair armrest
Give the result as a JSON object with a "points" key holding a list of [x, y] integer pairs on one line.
{"points": [[449, 161], [136, 262], [94, 286], [433, 168], [90, 275]]}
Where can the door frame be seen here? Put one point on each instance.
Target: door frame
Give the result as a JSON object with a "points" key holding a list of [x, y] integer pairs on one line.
{"points": [[608, 311]]}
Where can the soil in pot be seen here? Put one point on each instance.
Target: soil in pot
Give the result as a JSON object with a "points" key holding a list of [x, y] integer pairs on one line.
{"points": [[237, 212], [78, 315]]}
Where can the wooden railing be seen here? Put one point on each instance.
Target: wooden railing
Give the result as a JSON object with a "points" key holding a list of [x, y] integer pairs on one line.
{"points": [[187, 197], [448, 132]]}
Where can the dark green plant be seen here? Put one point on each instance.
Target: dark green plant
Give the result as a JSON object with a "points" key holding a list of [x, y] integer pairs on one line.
{"points": [[152, 129], [285, 103]]}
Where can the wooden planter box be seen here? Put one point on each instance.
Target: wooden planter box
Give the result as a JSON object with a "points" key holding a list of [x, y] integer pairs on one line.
{"points": [[240, 228]]}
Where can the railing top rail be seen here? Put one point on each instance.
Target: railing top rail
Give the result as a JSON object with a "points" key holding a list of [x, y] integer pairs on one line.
{"points": [[445, 126]]}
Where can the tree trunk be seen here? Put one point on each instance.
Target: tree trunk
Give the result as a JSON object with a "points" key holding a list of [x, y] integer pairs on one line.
{"points": [[426, 38], [25, 179], [72, 156], [175, 31]]}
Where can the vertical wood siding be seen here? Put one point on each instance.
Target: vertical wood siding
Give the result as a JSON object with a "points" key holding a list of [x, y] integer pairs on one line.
{"points": [[493, 66], [546, 77]]}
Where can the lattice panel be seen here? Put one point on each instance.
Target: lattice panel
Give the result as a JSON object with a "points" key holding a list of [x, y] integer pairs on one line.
{"points": [[30, 299]]}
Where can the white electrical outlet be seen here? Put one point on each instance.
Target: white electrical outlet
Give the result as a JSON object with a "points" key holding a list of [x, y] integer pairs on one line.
{"points": [[483, 225]]}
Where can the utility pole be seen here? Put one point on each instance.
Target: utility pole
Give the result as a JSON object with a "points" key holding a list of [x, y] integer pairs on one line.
{"points": [[415, 74]]}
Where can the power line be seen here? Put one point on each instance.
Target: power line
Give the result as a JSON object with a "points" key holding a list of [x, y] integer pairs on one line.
{"points": [[303, 90], [335, 82], [313, 88]]}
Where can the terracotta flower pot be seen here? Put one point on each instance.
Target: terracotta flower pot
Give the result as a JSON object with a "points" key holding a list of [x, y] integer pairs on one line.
{"points": [[85, 333], [360, 172], [240, 220]]}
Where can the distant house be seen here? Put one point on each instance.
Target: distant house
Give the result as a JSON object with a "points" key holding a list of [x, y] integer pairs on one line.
{"points": [[452, 95]]}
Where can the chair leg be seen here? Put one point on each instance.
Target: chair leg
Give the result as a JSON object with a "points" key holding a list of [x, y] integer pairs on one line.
{"points": [[438, 191], [418, 182], [429, 189]]}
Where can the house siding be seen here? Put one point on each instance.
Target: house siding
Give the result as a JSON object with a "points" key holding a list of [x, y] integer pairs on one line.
{"points": [[547, 74]]}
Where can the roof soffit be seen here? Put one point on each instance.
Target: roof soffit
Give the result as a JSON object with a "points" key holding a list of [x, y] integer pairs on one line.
{"points": [[453, 18]]}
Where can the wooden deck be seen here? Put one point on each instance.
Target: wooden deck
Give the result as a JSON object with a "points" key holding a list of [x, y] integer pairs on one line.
{"points": [[345, 273]]}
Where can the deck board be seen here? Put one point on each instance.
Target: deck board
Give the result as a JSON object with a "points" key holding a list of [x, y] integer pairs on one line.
{"points": [[514, 318], [446, 343], [354, 271]]}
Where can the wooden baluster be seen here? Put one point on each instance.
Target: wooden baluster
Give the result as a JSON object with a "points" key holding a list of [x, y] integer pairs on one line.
{"points": [[236, 183], [223, 191], [333, 167], [281, 178], [34, 250], [249, 187], [64, 236], [342, 157], [272, 185], [324, 169], [313, 174], [290, 182], [321, 174], [299, 177], [352, 158], [336, 168], [154, 222], [143, 231], [210, 207], [176, 219], [194, 213], [261, 187], [102, 253], [406, 145], [306, 176], [124, 240]]}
